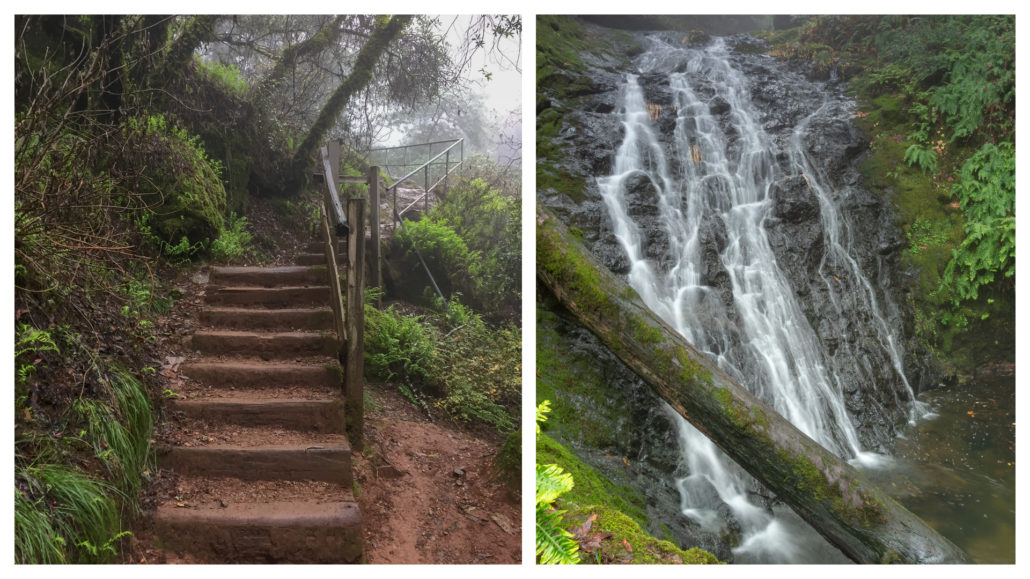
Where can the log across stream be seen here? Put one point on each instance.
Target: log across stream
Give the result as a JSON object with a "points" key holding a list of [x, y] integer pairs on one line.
{"points": [[836, 499]]}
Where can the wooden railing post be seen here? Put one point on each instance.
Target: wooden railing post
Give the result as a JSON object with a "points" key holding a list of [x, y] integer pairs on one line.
{"points": [[374, 222], [354, 357]]}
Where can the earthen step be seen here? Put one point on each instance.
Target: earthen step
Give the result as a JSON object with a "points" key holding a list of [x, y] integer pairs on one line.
{"points": [[319, 247], [327, 461], [268, 276], [262, 319], [255, 374], [288, 532], [325, 416], [265, 345], [280, 297], [318, 258]]}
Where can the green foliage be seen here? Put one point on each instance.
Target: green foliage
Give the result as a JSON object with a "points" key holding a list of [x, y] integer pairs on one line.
{"points": [[186, 194], [397, 345], [63, 515], [35, 540], [233, 242], [987, 194], [226, 75], [554, 545], [922, 157], [29, 340], [120, 433], [479, 369], [472, 240]]}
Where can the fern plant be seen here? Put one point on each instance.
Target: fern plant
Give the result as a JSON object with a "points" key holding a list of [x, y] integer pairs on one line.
{"points": [[987, 194], [554, 544], [924, 157]]}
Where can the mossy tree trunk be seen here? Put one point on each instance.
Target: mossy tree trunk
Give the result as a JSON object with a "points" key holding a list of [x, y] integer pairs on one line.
{"points": [[314, 44], [180, 53], [355, 81], [837, 500]]}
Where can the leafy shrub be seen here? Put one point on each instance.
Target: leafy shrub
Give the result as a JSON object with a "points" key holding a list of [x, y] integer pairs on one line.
{"points": [[479, 370], [233, 242], [397, 345], [472, 242], [987, 194], [226, 75]]}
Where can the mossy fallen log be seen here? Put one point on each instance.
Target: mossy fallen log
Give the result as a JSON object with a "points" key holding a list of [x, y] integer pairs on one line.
{"points": [[835, 498]]}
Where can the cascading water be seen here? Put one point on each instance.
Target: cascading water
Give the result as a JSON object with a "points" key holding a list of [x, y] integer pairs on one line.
{"points": [[713, 186]]}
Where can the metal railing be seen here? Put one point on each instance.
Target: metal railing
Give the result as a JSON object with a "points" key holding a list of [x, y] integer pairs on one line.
{"points": [[433, 171]]}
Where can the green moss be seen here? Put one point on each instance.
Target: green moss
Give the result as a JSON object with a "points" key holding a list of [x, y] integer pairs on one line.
{"points": [[569, 266], [584, 407], [811, 481], [559, 40], [643, 548], [508, 462], [591, 487], [693, 371], [644, 333]]}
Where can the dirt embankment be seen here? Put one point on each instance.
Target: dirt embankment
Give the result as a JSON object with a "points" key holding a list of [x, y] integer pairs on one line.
{"points": [[428, 493]]}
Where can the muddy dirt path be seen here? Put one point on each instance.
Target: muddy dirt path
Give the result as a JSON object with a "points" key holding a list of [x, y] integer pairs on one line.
{"points": [[427, 490]]}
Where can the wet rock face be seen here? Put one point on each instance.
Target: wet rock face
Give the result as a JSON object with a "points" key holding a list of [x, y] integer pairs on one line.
{"points": [[645, 435], [784, 98]]}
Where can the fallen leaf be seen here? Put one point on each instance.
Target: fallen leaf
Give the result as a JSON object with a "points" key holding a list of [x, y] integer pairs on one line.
{"points": [[582, 530], [503, 522], [593, 542], [625, 543]]}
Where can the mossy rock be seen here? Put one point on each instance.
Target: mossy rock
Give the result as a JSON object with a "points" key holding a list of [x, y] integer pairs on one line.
{"points": [[591, 488], [187, 196], [194, 209], [628, 543]]}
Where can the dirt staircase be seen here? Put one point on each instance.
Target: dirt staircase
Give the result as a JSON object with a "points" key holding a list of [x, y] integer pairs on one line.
{"points": [[263, 462]]}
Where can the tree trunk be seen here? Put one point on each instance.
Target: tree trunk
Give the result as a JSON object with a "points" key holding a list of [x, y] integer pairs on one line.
{"points": [[356, 80], [318, 42], [836, 499], [180, 53]]}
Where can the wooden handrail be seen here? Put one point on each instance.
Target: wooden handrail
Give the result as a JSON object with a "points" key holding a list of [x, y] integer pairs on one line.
{"points": [[337, 216]]}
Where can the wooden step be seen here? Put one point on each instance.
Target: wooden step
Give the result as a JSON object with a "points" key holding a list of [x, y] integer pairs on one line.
{"points": [[327, 461], [264, 319], [316, 259], [265, 345], [287, 532], [255, 374], [325, 416], [279, 297], [268, 276]]}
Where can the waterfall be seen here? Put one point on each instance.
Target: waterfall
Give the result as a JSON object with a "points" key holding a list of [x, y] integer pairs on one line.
{"points": [[710, 187]]}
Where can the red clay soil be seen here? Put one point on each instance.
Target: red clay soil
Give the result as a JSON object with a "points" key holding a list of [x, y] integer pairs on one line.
{"points": [[428, 493]]}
